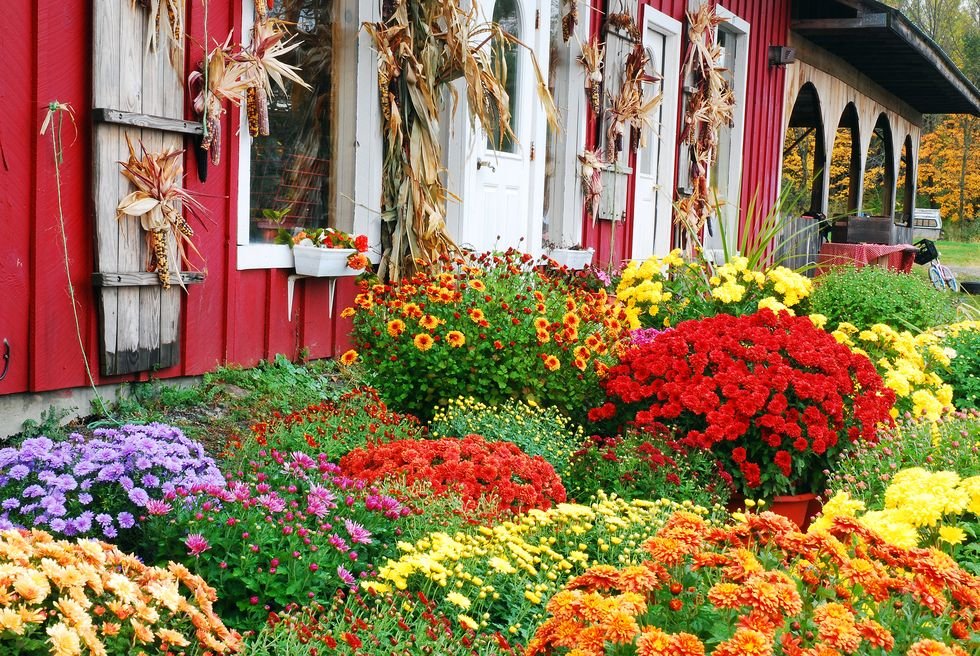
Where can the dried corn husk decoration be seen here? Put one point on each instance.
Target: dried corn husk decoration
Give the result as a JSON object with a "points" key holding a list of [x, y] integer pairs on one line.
{"points": [[157, 178], [710, 107], [569, 19], [422, 47], [592, 166], [624, 22], [631, 107], [226, 83], [168, 14], [593, 54]]}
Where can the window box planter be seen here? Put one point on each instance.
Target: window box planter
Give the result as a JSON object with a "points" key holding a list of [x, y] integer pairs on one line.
{"points": [[572, 258], [323, 262]]}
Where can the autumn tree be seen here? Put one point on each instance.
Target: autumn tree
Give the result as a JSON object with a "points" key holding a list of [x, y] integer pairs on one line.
{"points": [[948, 171]]}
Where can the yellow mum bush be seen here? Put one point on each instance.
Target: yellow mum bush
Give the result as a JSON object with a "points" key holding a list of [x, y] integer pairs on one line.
{"points": [[909, 365], [505, 574], [73, 597], [920, 508], [661, 292]]}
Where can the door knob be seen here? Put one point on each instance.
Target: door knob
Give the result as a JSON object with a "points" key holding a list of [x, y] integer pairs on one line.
{"points": [[480, 163]]}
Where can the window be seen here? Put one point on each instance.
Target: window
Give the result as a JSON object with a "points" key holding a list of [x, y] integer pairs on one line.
{"points": [[288, 178], [726, 174], [506, 13]]}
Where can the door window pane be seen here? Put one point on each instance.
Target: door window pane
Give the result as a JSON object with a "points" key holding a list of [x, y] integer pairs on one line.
{"points": [[292, 169], [508, 15]]}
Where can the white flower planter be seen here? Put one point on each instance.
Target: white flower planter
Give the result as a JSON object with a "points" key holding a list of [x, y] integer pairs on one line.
{"points": [[323, 262], [573, 259]]}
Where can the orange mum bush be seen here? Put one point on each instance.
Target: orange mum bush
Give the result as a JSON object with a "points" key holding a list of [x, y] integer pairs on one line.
{"points": [[760, 587], [85, 596]]}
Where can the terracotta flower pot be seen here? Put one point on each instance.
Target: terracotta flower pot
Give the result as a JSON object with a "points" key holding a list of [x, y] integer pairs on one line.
{"points": [[795, 508]]}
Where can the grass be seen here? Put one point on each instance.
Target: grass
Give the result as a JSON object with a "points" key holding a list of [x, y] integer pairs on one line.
{"points": [[957, 255]]}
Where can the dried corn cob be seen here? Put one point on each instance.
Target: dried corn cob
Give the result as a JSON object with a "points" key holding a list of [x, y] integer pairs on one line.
{"points": [[261, 10], [384, 80], [252, 110], [595, 92], [262, 101], [176, 13], [158, 259], [569, 21]]}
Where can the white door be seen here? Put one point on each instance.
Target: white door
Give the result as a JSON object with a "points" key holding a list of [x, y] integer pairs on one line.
{"points": [[652, 217], [501, 202]]}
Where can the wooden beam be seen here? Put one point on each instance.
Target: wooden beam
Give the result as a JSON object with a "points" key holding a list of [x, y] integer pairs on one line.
{"points": [[142, 279], [941, 61], [118, 117], [863, 21]]}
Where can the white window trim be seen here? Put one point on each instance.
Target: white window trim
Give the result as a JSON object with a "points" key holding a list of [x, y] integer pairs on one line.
{"points": [[730, 210], [644, 239], [358, 144]]}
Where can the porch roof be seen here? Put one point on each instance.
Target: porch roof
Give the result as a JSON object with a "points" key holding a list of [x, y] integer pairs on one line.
{"points": [[882, 43]]}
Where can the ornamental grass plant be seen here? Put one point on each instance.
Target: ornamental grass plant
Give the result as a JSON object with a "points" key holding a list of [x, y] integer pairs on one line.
{"points": [[98, 486], [759, 587], [772, 396], [87, 597], [535, 430], [493, 327]]}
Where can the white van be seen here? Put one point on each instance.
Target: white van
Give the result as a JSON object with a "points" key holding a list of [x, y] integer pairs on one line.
{"points": [[926, 224]]}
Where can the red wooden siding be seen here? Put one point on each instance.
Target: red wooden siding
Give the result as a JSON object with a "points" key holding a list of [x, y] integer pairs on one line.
{"points": [[762, 145], [234, 317]]}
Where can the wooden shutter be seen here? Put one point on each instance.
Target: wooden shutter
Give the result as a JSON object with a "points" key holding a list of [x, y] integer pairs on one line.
{"points": [[133, 89]]}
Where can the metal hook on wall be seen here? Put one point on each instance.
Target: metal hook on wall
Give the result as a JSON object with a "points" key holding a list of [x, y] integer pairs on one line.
{"points": [[6, 358]]}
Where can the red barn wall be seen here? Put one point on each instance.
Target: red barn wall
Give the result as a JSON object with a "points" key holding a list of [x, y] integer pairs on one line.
{"points": [[234, 317], [762, 145]]}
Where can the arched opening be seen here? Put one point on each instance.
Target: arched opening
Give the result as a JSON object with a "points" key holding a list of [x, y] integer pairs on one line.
{"points": [[905, 203], [505, 59], [879, 171], [804, 163], [845, 165]]}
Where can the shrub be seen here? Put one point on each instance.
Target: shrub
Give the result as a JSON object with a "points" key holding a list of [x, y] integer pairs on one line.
{"points": [[963, 371], [642, 465], [762, 587], [910, 365], [470, 467], [98, 486], [865, 469], [375, 625], [491, 327], [772, 396], [870, 295], [535, 430], [73, 597], [291, 527], [506, 574], [332, 428], [666, 291]]}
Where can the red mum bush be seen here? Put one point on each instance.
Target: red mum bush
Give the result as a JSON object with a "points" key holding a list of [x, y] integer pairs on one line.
{"points": [[471, 466], [773, 396]]}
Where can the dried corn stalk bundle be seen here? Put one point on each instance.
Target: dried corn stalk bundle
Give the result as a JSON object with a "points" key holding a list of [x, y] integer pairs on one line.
{"points": [[168, 14], [631, 107], [710, 107], [591, 175], [569, 19], [422, 47], [157, 178], [593, 54], [624, 22]]}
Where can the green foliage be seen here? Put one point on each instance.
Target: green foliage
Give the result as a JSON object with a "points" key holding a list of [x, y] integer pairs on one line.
{"points": [[865, 469], [537, 431], [647, 466], [870, 295], [963, 373], [281, 384], [50, 424]]}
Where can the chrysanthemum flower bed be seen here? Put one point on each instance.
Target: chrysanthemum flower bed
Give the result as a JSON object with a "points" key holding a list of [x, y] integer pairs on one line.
{"points": [[760, 587]]}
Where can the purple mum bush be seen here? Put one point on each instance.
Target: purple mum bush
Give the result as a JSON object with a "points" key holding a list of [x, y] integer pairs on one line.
{"points": [[287, 528], [98, 486]]}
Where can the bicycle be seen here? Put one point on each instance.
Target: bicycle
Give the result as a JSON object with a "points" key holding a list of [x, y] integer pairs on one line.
{"points": [[941, 276]]}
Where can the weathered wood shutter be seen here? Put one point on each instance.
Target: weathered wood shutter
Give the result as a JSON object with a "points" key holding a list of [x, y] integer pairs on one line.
{"points": [[138, 319]]}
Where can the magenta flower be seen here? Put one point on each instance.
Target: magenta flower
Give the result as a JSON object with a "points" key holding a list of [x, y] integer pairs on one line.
{"points": [[345, 575], [196, 544], [358, 534], [157, 507]]}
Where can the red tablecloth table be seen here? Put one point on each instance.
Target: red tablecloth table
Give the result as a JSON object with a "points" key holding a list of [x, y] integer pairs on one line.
{"points": [[898, 257]]}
